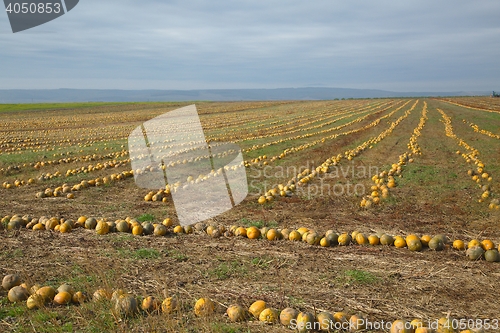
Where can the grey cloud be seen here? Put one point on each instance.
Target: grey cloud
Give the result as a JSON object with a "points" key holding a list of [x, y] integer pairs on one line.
{"points": [[443, 45]]}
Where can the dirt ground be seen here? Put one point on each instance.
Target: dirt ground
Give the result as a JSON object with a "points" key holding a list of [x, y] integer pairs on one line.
{"points": [[382, 283]]}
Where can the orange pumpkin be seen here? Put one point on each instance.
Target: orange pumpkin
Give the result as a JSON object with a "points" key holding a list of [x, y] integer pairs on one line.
{"points": [[294, 235], [273, 234], [487, 244], [399, 242], [269, 316], [361, 239], [458, 245], [62, 298], [257, 307], [253, 233], [373, 240], [204, 307], [241, 231]]}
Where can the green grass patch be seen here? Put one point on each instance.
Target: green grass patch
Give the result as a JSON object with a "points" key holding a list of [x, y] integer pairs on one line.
{"points": [[262, 262], [177, 255], [225, 270], [258, 223], [143, 253], [146, 217], [17, 253], [355, 276], [51, 106], [8, 309]]}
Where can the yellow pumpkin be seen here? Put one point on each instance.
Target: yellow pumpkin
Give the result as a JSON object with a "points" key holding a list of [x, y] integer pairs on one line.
{"points": [[357, 322], [386, 240], [287, 315], [167, 222], [150, 304], [325, 321], [101, 294], [79, 297], [34, 302], [294, 235], [65, 228], [472, 243], [169, 305], [257, 307], [253, 232], [400, 326], [305, 322], [411, 237], [62, 298], [445, 325], [273, 234], [38, 226], [178, 229], [361, 239], [399, 242], [204, 307], [340, 317], [47, 293], [458, 245], [344, 239], [160, 230], [102, 228], [269, 316], [324, 242], [210, 229], [425, 239], [240, 231], [414, 244], [487, 244], [236, 313], [137, 230], [302, 230], [373, 240]]}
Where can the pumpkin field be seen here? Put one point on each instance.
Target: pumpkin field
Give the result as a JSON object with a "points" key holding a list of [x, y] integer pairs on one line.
{"points": [[367, 215]]}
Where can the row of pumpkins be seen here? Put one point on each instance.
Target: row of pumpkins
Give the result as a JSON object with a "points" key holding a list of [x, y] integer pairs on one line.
{"points": [[329, 117], [471, 156], [307, 175], [126, 305], [290, 150], [67, 190], [475, 249], [69, 172], [471, 104], [385, 180], [482, 131]]}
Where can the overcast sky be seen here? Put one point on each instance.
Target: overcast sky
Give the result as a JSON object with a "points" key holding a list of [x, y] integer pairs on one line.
{"points": [[400, 45]]}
